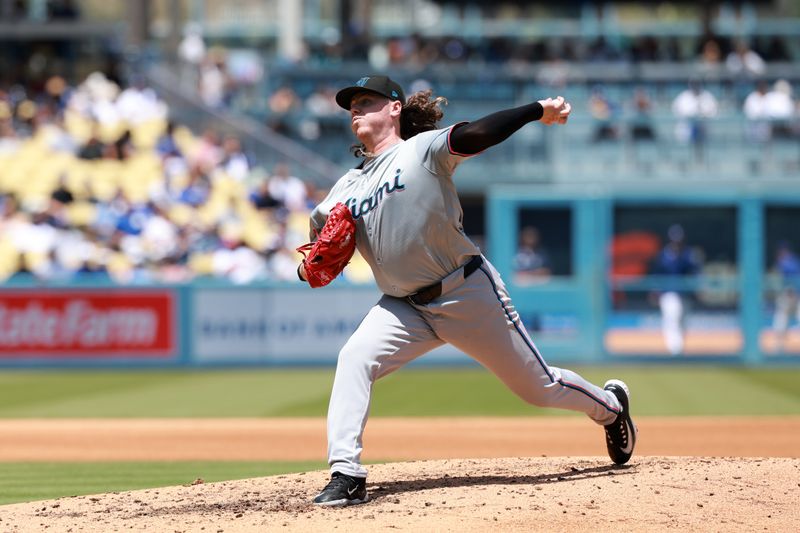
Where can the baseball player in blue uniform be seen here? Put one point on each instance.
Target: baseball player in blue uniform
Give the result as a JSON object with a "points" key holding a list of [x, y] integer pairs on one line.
{"points": [[437, 287]]}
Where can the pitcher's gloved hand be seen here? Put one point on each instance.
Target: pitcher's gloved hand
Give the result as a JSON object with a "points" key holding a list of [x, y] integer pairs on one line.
{"points": [[326, 257]]}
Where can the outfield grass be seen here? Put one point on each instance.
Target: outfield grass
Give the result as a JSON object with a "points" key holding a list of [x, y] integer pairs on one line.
{"points": [[656, 390], [22, 482]]}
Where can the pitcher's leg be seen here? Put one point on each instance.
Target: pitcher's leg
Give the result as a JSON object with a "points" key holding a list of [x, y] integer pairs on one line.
{"points": [[484, 324], [391, 335]]}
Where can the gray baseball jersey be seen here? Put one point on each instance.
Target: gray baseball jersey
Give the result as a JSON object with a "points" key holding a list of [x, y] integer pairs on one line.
{"points": [[409, 230], [407, 212]]}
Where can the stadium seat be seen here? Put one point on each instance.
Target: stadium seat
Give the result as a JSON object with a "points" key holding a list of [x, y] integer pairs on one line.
{"points": [[80, 214], [201, 263], [146, 135], [9, 257]]}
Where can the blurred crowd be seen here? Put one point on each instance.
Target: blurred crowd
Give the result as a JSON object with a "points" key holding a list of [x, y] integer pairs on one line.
{"points": [[729, 81], [416, 50], [770, 110], [95, 180]]}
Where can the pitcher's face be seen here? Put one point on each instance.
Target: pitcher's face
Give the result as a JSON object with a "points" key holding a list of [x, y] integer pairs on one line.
{"points": [[371, 114]]}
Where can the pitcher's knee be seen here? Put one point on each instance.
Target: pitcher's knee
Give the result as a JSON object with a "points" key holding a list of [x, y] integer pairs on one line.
{"points": [[539, 396], [354, 359]]}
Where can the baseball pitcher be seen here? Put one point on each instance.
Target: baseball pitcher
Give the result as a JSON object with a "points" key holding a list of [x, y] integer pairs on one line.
{"points": [[437, 286]]}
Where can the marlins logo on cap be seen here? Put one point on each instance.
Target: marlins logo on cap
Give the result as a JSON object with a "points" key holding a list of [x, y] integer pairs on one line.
{"points": [[382, 85]]}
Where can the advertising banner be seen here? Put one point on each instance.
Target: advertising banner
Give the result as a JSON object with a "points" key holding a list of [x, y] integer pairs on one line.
{"points": [[283, 326], [95, 324]]}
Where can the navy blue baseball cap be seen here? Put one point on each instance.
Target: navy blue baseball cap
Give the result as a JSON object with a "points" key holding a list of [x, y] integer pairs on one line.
{"points": [[382, 85]]}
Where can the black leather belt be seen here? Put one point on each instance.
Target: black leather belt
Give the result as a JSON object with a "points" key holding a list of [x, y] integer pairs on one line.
{"points": [[430, 293]]}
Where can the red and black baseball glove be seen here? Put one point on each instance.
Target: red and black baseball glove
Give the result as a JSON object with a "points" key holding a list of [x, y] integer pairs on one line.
{"points": [[333, 249]]}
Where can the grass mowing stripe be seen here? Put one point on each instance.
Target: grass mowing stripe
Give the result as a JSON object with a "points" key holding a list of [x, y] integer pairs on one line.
{"points": [[783, 381], [656, 389], [22, 482], [219, 393]]}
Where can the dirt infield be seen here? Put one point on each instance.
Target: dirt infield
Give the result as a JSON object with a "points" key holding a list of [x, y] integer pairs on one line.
{"points": [[386, 439], [679, 478]]}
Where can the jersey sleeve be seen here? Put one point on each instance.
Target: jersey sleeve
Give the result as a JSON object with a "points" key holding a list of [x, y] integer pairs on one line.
{"points": [[320, 213], [436, 153]]}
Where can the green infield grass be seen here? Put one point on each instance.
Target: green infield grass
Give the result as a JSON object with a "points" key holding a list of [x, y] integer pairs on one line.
{"points": [[23, 482], [656, 390]]}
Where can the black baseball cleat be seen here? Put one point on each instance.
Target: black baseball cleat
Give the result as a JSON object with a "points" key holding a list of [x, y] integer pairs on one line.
{"points": [[343, 490], [621, 433]]}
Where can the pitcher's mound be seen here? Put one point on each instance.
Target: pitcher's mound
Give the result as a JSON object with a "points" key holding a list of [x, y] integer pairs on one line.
{"points": [[515, 494]]}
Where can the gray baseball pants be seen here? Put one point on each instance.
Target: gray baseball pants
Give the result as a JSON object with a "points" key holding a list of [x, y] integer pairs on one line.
{"points": [[476, 316]]}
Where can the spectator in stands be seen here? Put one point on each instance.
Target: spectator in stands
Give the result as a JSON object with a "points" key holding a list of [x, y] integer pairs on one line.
{"points": [[95, 99], [93, 148], [9, 214], [261, 197], [282, 257], [781, 109], [214, 80], [166, 145], [234, 162], [287, 189], [132, 215], [197, 190], [745, 62], [321, 104], [710, 58], [139, 103], [159, 236], [281, 103], [234, 260], [787, 303], [207, 153], [35, 235], [642, 121], [61, 193], [9, 141], [51, 268], [283, 264], [604, 115], [770, 113], [94, 257], [27, 115], [693, 107], [531, 262], [57, 93], [191, 53], [121, 149], [675, 262], [755, 110]]}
